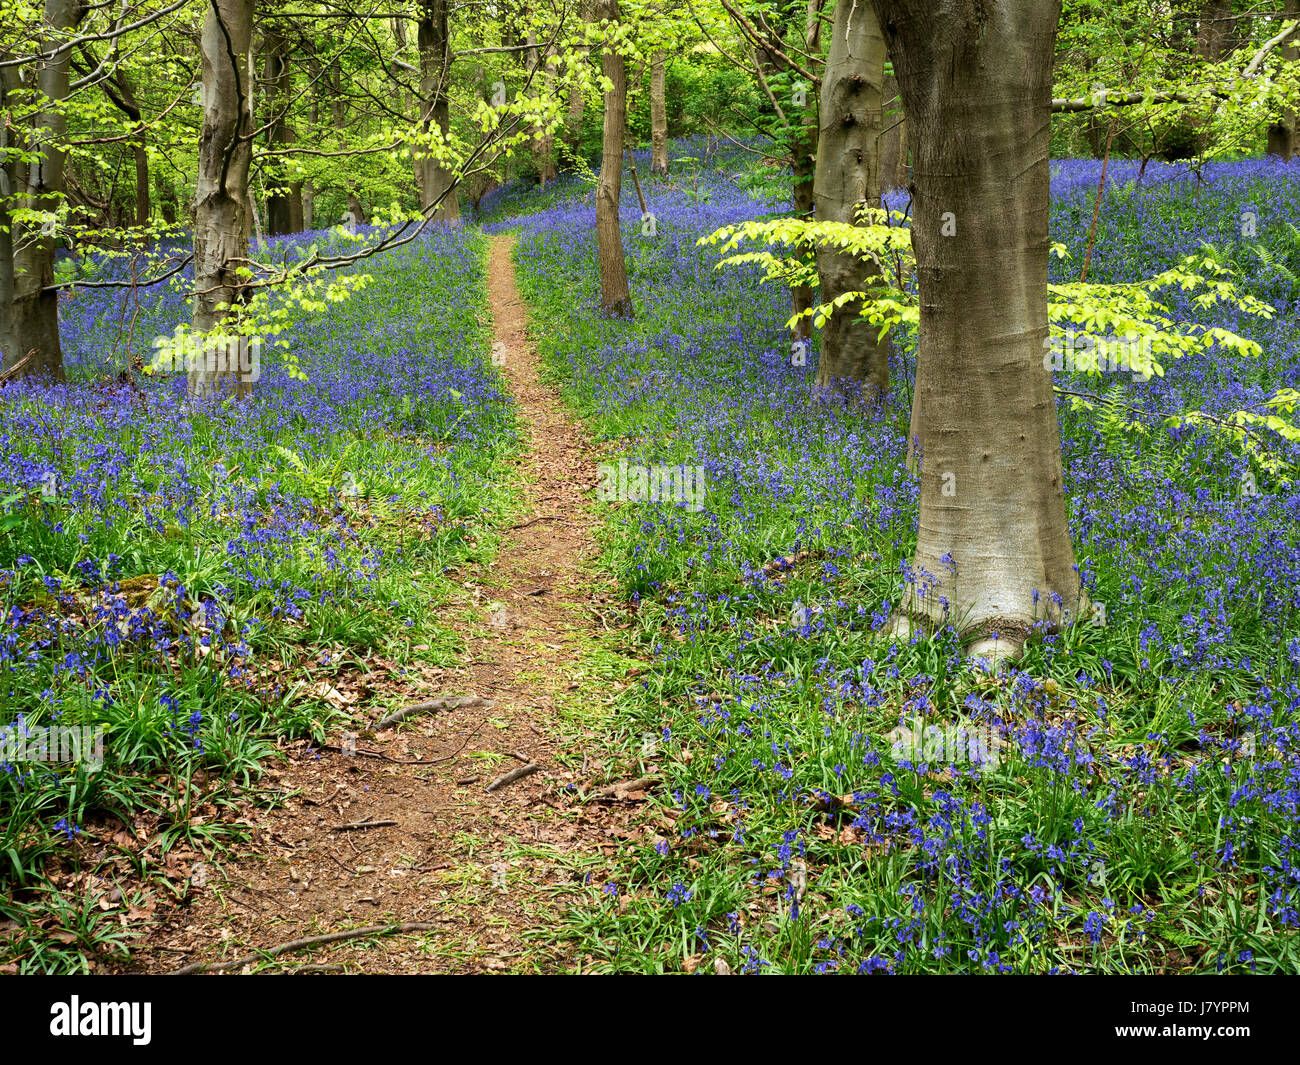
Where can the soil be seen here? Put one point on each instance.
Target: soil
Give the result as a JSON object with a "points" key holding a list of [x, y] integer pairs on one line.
{"points": [[487, 875]]}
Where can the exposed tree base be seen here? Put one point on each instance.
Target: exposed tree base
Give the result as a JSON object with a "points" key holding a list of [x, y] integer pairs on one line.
{"points": [[996, 639]]}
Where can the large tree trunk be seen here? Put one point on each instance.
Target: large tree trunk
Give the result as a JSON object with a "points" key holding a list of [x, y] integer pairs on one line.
{"points": [[659, 114], [848, 178], [221, 198], [993, 540], [29, 312], [615, 297], [1282, 133], [437, 182]]}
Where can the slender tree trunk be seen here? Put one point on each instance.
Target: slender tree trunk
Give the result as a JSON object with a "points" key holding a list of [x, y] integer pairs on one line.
{"points": [[121, 93], [571, 141], [339, 118], [1282, 133], [142, 206], [165, 192], [284, 201], [29, 322], [615, 297], [848, 178], [803, 154], [221, 199], [437, 182], [659, 114], [893, 138], [993, 547], [1215, 29], [543, 141]]}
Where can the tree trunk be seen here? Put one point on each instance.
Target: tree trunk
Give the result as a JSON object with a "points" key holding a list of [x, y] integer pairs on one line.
{"points": [[1282, 133], [993, 539], [893, 139], [615, 298], [339, 118], [659, 114], [166, 194], [803, 155], [29, 325], [1215, 29], [571, 141], [543, 141], [437, 182], [847, 178], [123, 96], [221, 198], [284, 200]]}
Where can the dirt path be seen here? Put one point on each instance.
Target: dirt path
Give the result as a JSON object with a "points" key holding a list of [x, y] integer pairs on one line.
{"points": [[486, 870]]}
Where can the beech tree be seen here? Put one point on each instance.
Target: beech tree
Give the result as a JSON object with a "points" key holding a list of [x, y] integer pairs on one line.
{"points": [[1282, 133], [284, 199], [658, 114], [993, 551], [784, 46], [848, 179], [437, 182], [221, 203], [615, 297], [31, 176]]}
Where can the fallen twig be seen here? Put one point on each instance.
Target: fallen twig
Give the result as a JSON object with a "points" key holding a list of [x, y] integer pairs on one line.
{"points": [[299, 944], [448, 702], [534, 521], [515, 774], [406, 761], [351, 825], [612, 790], [323, 802]]}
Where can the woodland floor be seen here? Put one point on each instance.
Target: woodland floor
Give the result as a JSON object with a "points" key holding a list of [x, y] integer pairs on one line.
{"points": [[480, 871]]}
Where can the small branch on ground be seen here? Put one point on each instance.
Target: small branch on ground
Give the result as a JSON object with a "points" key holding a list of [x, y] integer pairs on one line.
{"points": [[506, 779], [301, 944], [452, 702], [612, 790]]}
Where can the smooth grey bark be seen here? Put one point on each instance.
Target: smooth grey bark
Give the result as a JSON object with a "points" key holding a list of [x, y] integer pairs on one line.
{"points": [[221, 219], [615, 297], [993, 539], [847, 179], [659, 113], [29, 322], [437, 182]]}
